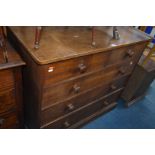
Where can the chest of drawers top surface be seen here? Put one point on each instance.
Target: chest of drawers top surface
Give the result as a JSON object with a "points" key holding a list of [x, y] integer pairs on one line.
{"points": [[59, 43]]}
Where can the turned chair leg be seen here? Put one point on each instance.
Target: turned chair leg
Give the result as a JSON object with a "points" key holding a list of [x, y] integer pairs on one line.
{"points": [[93, 33], [37, 37], [116, 34]]}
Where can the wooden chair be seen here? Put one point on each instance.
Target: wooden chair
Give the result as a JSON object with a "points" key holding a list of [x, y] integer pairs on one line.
{"points": [[39, 29]]}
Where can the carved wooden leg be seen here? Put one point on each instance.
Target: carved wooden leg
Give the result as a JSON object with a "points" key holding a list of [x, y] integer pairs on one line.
{"points": [[115, 33], [37, 37]]}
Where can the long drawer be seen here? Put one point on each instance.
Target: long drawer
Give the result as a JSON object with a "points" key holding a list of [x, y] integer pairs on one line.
{"points": [[78, 66], [9, 120], [80, 100], [7, 101], [67, 89], [87, 112]]}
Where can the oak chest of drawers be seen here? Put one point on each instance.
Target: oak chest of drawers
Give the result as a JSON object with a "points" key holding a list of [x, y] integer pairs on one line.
{"points": [[11, 115], [67, 81]]}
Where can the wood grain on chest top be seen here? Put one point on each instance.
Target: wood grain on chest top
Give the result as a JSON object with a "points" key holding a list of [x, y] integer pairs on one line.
{"points": [[59, 43]]}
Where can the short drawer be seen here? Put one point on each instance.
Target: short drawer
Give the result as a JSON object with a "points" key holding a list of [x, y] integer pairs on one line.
{"points": [[78, 66], [75, 86], [6, 80], [7, 101], [85, 113], [9, 121], [80, 100]]}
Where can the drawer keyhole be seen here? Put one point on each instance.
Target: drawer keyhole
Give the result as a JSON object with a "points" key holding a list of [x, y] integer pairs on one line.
{"points": [[130, 53], [113, 87], [122, 71]]}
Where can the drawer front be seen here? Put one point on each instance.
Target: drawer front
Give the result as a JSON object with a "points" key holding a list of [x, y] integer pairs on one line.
{"points": [[7, 101], [101, 105], [78, 66], [9, 121], [6, 80], [82, 99], [73, 87]]}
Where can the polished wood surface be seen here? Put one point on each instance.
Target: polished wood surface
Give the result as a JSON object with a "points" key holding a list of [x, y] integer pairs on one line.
{"points": [[70, 68], [67, 82], [104, 103], [59, 91], [9, 121], [59, 43], [73, 103]]}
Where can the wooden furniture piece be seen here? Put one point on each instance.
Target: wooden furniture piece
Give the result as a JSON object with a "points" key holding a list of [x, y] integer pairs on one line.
{"points": [[67, 81], [10, 89], [139, 82], [150, 55]]}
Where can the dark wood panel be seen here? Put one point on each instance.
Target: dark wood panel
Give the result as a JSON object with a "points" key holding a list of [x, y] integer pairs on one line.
{"points": [[33, 77], [6, 80], [9, 121], [7, 101], [137, 86], [84, 112], [19, 95]]}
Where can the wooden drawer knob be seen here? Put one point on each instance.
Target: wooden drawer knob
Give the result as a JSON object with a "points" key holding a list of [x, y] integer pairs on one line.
{"points": [[82, 68], [1, 122], [122, 71], [105, 103], [66, 124], [113, 87], [70, 107], [76, 88], [130, 53]]}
